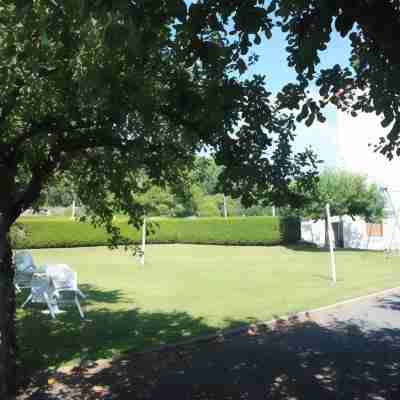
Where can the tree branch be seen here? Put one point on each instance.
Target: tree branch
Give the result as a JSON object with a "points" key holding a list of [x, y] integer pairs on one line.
{"points": [[9, 102], [40, 174], [47, 126]]}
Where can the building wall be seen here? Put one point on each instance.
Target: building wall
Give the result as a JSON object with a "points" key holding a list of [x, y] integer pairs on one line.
{"points": [[313, 232], [355, 234]]}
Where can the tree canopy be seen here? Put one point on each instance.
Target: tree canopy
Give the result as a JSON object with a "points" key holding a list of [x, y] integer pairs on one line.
{"points": [[104, 91], [348, 194]]}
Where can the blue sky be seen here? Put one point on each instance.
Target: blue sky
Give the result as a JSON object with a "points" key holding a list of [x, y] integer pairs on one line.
{"points": [[273, 64]]}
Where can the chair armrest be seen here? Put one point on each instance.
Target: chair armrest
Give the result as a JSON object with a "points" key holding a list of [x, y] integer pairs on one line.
{"points": [[81, 294]]}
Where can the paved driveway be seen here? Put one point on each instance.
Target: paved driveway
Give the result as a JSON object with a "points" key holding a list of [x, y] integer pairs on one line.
{"points": [[374, 313]]}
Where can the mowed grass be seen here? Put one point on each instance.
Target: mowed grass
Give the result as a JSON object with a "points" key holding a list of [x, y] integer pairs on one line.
{"points": [[187, 290]]}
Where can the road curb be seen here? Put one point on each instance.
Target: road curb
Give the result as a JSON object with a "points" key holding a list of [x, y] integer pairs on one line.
{"points": [[338, 304]]}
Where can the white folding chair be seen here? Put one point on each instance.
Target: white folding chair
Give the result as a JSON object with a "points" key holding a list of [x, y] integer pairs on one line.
{"points": [[65, 285], [24, 270], [41, 292]]}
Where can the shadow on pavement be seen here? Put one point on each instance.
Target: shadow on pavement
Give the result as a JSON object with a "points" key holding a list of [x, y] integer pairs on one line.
{"points": [[390, 302]]}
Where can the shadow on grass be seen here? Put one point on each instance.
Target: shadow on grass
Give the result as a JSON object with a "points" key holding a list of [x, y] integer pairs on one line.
{"points": [[299, 360], [311, 248], [45, 344], [327, 278]]}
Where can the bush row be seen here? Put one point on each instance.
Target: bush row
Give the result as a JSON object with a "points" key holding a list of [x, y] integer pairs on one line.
{"points": [[60, 232]]}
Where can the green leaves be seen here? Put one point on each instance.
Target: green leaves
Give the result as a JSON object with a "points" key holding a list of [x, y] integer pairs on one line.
{"points": [[178, 9], [344, 24], [309, 121], [242, 66], [250, 19], [347, 193], [303, 114], [23, 6], [389, 118]]}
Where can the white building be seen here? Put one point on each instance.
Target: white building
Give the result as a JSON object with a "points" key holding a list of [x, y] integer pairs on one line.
{"points": [[355, 138]]}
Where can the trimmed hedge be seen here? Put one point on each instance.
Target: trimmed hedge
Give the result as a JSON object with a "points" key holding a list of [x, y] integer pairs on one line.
{"points": [[60, 232]]}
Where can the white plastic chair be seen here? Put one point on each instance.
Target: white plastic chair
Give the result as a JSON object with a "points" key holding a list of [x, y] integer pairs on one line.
{"points": [[65, 286], [24, 270], [42, 292]]}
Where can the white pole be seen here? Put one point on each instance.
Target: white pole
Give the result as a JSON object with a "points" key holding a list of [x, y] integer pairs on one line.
{"points": [[225, 208], [73, 209], [273, 211], [331, 239], [143, 240]]}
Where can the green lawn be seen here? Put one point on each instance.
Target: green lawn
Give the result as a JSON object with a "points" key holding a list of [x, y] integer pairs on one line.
{"points": [[187, 290]]}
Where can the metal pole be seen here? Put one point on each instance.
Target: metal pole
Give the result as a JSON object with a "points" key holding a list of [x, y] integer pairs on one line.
{"points": [[396, 221], [225, 208], [331, 239], [273, 211], [73, 208], [143, 240]]}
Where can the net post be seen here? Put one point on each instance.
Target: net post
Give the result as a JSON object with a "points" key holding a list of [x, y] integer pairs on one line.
{"points": [[143, 241], [331, 247]]}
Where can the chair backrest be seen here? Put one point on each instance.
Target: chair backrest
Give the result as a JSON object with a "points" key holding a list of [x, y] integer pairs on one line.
{"points": [[62, 276], [39, 287], [24, 261]]}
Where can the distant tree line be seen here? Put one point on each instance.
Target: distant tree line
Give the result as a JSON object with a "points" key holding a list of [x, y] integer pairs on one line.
{"points": [[201, 195]]}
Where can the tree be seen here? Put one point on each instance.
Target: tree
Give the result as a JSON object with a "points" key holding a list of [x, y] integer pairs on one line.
{"points": [[208, 207], [106, 91], [158, 201], [205, 174], [348, 194], [59, 192]]}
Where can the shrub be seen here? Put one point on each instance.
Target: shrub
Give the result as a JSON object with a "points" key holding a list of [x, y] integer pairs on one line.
{"points": [[208, 207], [61, 232], [18, 234]]}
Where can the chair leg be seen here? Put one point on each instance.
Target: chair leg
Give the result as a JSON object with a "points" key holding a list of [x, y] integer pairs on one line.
{"points": [[46, 297], [79, 307], [27, 301], [17, 288], [81, 294]]}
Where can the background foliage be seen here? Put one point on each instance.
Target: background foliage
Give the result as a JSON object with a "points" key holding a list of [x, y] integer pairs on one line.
{"points": [[201, 196], [347, 193]]}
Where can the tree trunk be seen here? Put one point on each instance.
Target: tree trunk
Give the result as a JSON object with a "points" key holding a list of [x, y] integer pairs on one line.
{"points": [[11, 206], [8, 341], [7, 317]]}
